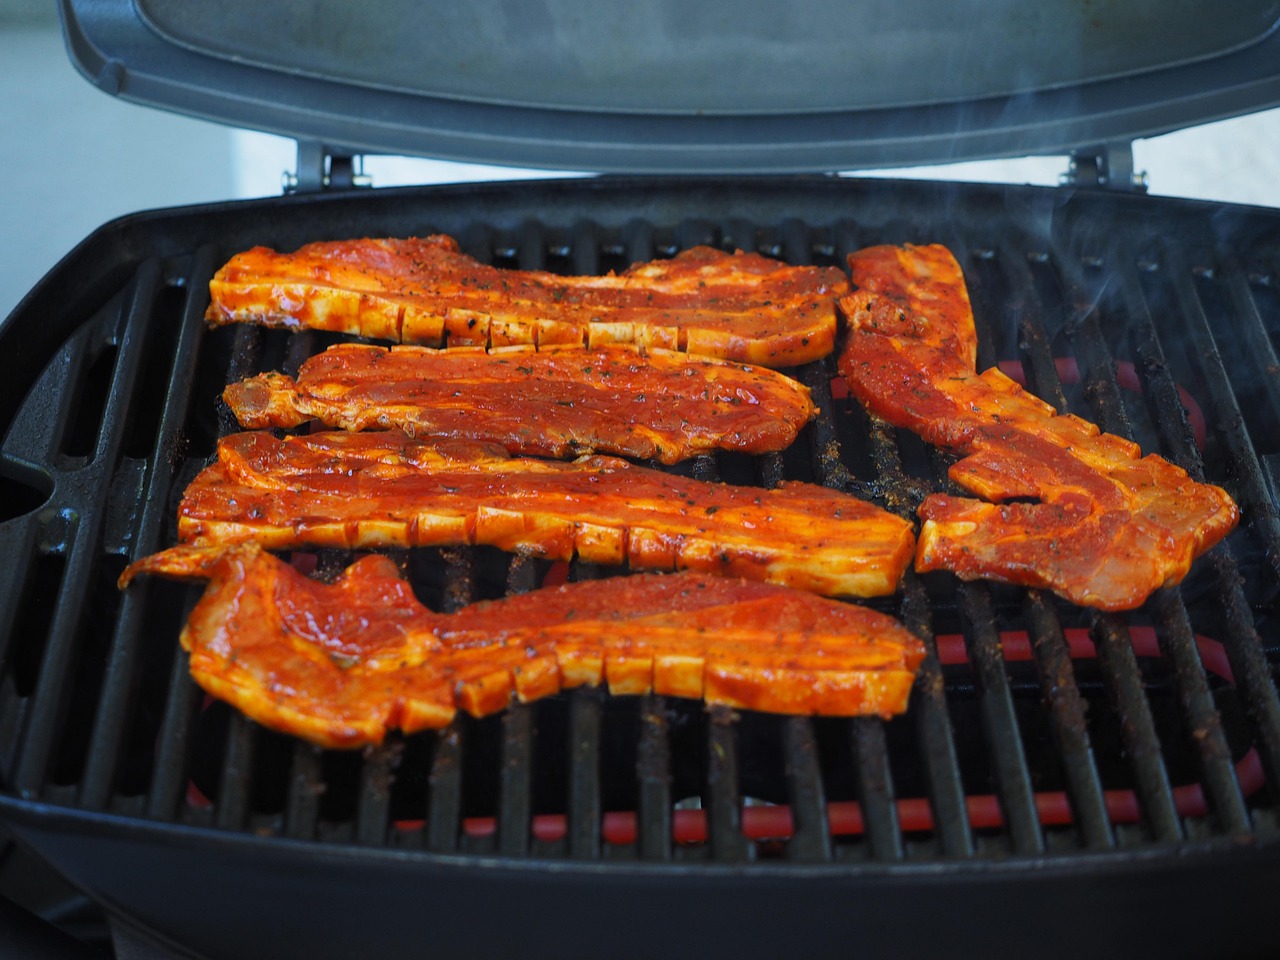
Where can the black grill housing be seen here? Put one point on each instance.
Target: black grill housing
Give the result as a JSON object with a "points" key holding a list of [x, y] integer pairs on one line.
{"points": [[548, 830]]}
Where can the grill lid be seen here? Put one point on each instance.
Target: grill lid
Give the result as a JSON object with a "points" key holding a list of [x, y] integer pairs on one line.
{"points": [[750, 86]]}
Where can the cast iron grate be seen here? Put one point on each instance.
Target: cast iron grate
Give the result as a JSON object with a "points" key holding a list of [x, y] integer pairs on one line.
{"points": [[1036, 728]]}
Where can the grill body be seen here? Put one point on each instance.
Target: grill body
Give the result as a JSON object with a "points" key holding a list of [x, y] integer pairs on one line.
{"points": [[1064, 780]]}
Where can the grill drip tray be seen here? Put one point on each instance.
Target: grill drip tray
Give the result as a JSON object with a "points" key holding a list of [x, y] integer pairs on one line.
{"points": [[1055, 762]]}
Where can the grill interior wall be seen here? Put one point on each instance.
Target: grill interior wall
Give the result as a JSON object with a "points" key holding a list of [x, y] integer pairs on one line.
{"points": [[96, 710]]}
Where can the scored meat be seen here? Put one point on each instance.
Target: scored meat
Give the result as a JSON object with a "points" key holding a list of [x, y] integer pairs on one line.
{"points": [[341, 664], [1072, 509], [553, 402], [359, 490], [738, 306]]}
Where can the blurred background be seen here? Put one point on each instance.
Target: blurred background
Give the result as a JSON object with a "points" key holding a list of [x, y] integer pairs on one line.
{"points": [[78, 158]]}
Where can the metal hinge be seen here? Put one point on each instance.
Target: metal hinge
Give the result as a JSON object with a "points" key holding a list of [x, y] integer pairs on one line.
{"points": [[1108, 166], [323, 168]]}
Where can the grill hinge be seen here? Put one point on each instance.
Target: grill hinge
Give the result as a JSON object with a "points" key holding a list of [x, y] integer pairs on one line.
{"points": [[322, 168], [1107, 166]]}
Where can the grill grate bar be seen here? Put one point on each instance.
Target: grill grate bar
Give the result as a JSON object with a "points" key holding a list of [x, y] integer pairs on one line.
{"points": [[933, 726], [1068, 722], [232, 808], [1159, 389], [515, 780], [306, 784], [723, 799], [653, 772], [301, 347], [1097, 372], [113, 707], [48, 705], [694, 232], [246, 348], [1249, 667], [1204, 725], [532, 251], [15, 578], [1034, 348], [770, 470], [796, 241], [1137, 729], [169, 779], [444, 807], [828, 467], [585, 248], [139, 318], [1000, 724], [447, 766], [373, 809], [584, 773], [637, 241], [875, 789], [522, 575], [987, 354], [811, 833], [739, 233]]}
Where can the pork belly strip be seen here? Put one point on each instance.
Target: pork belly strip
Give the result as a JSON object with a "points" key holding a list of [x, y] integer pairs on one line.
{"points": [[359, 490], [1093, 520], [738, 306], [341, 664], [554, 402]]}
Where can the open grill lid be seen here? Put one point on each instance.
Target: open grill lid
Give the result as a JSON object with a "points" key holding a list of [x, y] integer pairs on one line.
{"points": [[674, 87]]}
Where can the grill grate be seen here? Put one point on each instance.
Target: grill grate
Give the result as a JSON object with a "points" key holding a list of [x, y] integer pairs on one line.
{"points": [[97, 713]]}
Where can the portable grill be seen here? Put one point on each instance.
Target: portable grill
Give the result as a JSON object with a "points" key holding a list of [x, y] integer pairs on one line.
{"points": [[1064, 780]]}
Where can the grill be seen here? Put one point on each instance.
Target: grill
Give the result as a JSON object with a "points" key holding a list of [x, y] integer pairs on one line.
{"points": [[1063, 780]]}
